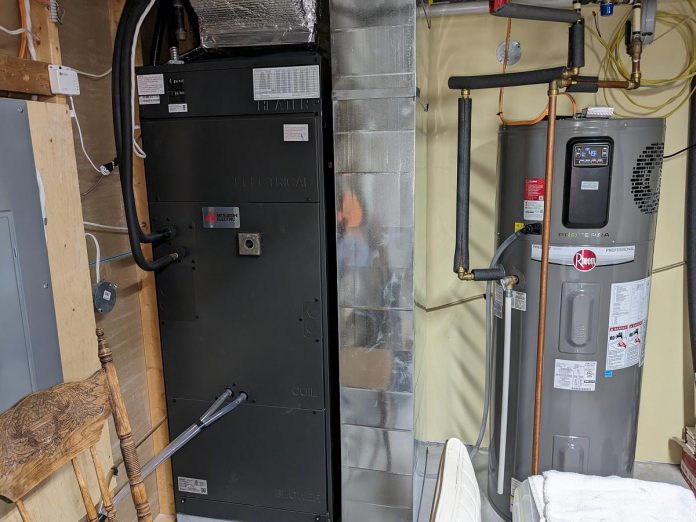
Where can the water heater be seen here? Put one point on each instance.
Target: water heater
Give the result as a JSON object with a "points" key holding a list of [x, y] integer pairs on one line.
{"points": [[605, 201]]}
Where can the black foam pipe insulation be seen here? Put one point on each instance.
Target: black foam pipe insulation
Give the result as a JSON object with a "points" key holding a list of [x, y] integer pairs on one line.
{"points": [[492, 81], [461, 248], [691, 226]]}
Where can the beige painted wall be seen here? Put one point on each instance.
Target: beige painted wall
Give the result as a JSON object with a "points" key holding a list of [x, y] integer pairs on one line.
{"points": [[451, 332]]}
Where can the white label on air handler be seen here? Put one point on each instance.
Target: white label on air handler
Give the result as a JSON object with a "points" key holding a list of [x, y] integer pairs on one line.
{"points": [[286, 83], [192, 485], [628, 318], [150, 84], [589, 185], [296, 132], [575, 375]]}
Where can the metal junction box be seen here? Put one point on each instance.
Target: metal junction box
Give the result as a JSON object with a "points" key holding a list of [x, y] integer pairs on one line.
{"points": [[238, 160]]}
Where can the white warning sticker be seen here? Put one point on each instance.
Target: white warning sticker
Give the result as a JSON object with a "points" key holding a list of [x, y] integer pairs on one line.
{"points": [[286, 83], [150, 84], [628, 320], [178, 107], [149, 100], [575, 375], [192, 485], [295, 132], [519, 301]]}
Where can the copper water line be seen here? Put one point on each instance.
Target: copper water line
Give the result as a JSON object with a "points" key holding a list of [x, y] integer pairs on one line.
{"points": [[546, 239]]}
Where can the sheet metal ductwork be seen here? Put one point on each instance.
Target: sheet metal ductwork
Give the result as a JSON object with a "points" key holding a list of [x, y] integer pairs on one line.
{"points": [[233, 23]]}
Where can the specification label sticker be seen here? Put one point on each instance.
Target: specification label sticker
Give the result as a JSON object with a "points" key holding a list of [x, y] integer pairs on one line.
{"points": [[628, 318], [150, 84], [192, 485], [534, 199], [286, 83], [575, 375], [295, 132]]}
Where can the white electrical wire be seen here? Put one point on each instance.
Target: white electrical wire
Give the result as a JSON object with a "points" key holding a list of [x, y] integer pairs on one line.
{"points": [[98, 262], [30, 35], [136, 147], [104, 227], [73, 113], [92, 75], [13, 32]]}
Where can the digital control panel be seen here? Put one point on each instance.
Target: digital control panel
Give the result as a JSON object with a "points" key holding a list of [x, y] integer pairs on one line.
{"points": [[591, 155]]}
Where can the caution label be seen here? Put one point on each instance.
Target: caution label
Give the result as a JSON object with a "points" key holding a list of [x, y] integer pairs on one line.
{"points": [[534, 199], [192, 485], [628, 318], [575, 375]]}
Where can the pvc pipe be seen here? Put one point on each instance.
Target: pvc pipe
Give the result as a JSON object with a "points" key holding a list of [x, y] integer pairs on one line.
{"points": [[506, 390]]}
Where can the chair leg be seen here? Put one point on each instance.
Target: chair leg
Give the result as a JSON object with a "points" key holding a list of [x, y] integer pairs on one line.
{"points": [[23, 511], [123, 430]]}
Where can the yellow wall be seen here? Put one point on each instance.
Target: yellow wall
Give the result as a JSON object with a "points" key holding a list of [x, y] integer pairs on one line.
{"points": [[451, 332]]}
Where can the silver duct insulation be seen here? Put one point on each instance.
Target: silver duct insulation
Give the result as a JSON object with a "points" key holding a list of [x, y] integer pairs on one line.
{"points": [[374, 86], [233, 23]]}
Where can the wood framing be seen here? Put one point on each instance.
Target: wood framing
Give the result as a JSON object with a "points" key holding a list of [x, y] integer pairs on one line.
{"points": [[18, 75]]}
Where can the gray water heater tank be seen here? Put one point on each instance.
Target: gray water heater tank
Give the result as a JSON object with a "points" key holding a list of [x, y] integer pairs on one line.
{"points": [[605, 200]]}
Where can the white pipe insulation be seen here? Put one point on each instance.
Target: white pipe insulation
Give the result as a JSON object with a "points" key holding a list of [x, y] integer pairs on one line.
{"points": [[506, 389]]}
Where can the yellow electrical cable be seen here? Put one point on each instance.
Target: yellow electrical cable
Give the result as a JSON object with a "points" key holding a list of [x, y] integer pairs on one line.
{"points": [[613, 67]]}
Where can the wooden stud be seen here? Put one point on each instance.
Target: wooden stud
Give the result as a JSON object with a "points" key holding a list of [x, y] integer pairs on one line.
{"points": [[103, 486], [123, 430], [24, 76], [84, 490]]}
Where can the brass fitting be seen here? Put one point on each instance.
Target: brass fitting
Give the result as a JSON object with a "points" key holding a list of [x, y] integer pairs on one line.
{"points": [[509, 281], [463, 275], [466, 93], [553, 88]]}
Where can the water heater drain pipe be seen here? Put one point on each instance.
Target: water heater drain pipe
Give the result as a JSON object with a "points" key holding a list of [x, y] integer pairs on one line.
{"points": [[508, 283]]}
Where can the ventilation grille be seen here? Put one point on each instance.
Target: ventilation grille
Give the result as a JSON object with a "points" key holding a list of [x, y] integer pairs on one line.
{"points": [[645, 182]]}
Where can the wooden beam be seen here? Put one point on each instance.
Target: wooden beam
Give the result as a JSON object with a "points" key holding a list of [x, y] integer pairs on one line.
{"points": [[150, 323], [24, 76]]}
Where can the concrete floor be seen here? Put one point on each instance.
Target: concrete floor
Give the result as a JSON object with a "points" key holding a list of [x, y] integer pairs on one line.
{"points": [[428, 460]]}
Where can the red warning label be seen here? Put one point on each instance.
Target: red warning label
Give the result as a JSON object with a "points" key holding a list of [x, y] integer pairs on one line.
{"points": [[534, 199]]}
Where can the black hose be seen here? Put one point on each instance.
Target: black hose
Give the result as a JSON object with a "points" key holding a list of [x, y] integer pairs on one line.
{"points": [[158, 32], [535, 12], [490, 81], [461, 249], [691, 226], [123, 131], [576, 45]]}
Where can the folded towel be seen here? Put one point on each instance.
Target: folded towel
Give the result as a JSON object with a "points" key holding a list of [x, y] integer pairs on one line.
{"points": [[571, 497], [457, 497]]}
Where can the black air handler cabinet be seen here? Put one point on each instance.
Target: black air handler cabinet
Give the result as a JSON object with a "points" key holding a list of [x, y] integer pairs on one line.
{"points": [[254, 317]]}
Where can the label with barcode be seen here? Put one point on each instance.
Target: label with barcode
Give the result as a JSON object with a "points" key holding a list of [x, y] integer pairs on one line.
{"points": [[192, 485]]}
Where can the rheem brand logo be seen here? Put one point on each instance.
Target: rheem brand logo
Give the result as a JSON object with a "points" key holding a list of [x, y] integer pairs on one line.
{"points": [[584, 260]]}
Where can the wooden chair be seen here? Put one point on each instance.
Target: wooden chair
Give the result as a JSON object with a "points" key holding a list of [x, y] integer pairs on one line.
{"points": [[47, 429]]}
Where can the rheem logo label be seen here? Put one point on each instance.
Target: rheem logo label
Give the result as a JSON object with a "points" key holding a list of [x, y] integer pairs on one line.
{"points": [[584, 260]]}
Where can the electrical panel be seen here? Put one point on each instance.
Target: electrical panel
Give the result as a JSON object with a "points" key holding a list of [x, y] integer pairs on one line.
{"points": [[29, 348]]}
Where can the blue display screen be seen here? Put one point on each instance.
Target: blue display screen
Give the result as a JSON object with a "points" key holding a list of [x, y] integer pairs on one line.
{"points": [[591, 155]]}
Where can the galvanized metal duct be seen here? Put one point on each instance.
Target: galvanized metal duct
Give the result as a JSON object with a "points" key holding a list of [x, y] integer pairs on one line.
{"points": [[374, 88], [233, 23]]}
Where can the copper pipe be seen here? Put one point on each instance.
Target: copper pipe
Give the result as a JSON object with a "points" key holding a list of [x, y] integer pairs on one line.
{"points": [[614, 84], [546, 239]]}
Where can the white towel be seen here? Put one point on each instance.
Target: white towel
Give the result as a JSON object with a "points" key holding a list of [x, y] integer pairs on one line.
{"points": [[457, 497], [571, 497]]}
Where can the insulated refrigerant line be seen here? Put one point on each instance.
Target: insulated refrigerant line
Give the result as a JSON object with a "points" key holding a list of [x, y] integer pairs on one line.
{"points": [[545, 241]]}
